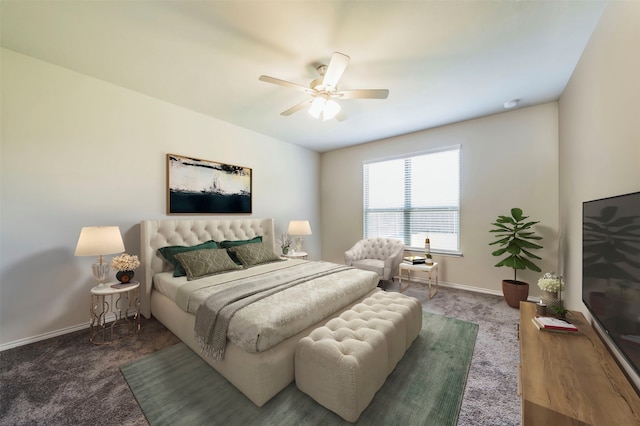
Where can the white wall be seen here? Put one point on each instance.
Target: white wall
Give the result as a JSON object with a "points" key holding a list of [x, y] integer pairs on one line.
{"points": [[599, 130], [77, 151], [507, 160]]}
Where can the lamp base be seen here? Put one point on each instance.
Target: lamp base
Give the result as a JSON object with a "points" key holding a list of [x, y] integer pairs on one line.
{"points": [[100, 271]]}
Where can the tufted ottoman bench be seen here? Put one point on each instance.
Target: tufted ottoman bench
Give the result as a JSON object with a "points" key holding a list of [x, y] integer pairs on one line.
{"points": [[342, 364]]}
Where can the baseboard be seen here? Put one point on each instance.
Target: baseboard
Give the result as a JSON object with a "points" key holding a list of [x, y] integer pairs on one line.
{"points": [[425, 282], [50, 334], [470, 288], [44, 336]]}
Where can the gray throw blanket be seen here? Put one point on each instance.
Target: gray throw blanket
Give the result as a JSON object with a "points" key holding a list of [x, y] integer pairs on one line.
{"points": [[215, 313]]}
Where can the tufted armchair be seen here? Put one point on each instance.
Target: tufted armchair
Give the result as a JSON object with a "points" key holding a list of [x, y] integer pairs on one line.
{"points": [[380, 255]]}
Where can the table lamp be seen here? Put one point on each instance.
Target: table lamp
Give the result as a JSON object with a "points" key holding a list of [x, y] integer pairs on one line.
{"points": [[99, 241], [299, 228]]}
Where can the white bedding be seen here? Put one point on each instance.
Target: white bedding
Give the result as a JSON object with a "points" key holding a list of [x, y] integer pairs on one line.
{"points": [[273, 319]]}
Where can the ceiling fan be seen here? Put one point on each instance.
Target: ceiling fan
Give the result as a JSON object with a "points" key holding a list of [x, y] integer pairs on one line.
{"points": [[324, 90]]}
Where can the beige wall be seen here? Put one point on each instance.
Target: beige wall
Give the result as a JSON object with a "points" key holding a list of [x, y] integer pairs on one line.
{"points": [[77, 151], [599, 130], [507, 160]]}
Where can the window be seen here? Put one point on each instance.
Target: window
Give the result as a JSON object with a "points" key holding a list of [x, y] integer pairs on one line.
{"points": [[414, 197]]}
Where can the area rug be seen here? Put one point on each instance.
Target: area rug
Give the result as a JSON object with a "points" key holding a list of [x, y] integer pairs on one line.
{"points": [[175, 386]]}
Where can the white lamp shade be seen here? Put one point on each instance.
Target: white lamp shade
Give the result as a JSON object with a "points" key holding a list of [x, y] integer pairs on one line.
{"points": [[325, 106], [331, 109], [317, 106], [299, 227], [99, 240]]}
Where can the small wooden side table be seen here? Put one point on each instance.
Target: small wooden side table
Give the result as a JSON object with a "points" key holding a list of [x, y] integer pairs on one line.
{"points": [[431, 270], [121, 300]]}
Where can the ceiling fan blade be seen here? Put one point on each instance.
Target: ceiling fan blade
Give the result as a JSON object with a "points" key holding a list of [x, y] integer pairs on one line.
{"points": [[296, 108], [284, 83], [363, 94], [334, 71]]}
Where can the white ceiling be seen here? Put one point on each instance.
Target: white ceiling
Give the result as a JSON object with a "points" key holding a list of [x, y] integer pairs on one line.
{"points": [[442, 61]]}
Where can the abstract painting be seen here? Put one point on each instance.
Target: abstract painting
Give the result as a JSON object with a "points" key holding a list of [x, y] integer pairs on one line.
{"points": [[197, 186]]}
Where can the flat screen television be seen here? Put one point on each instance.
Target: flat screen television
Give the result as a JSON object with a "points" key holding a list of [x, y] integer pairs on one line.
{"points": [[611, 272]]}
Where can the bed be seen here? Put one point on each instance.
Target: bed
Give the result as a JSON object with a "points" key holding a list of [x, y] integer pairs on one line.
{"points": [[258, 366]]}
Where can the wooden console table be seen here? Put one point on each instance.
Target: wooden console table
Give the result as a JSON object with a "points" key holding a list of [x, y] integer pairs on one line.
{"points": [[571, 379]]}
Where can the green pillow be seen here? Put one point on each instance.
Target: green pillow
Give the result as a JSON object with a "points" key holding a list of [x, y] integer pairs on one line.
{"points": [[170, 252], [254, 254], [228, 244], [206, 262]]}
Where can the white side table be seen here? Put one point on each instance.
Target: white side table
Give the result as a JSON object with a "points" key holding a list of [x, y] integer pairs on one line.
{"points": [[421, 267], [123, 301], [297, 255]]}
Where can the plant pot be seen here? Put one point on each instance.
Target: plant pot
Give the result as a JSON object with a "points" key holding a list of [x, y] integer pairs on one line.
{"points": [[515, 292], [124, 276], [550, 298]]}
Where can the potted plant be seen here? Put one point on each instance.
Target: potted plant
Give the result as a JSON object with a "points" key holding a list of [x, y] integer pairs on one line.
{"points": [[285, 243], [515, 239]]}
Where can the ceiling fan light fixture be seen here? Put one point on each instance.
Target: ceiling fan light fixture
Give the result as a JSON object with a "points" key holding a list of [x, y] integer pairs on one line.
{"points": [[331, 109], [317, 85], [323, 89], [317, 106]]}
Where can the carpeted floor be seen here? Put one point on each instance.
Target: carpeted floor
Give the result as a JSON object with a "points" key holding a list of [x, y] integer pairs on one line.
{"points": [[66, 380]]}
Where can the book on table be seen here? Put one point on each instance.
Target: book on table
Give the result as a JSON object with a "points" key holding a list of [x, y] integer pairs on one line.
{"points": [[554, 324], [414, 260], [124, 285]]}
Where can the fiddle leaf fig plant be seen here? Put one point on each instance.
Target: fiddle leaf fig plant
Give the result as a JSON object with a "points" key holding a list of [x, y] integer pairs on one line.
{"points": [[515, 239]]}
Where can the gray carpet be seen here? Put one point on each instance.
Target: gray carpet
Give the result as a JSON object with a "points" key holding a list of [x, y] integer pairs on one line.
{"points": [[176, 387], [66, 380]]}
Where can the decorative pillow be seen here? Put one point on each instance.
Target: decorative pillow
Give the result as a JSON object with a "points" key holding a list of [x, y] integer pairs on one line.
{"points": [[254, 254], [170, 252], [228, 244], [202, 263]]}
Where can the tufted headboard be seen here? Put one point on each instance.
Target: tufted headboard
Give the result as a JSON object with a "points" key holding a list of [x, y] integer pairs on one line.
{"points": [[160, 233]]}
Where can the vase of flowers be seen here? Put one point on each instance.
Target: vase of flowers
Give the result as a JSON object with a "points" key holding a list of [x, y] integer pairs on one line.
{"points": [[285, 243], [552, 286], [125, 265]]}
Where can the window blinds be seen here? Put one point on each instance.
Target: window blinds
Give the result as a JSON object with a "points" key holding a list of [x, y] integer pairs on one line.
{"points": [[414, 197]]}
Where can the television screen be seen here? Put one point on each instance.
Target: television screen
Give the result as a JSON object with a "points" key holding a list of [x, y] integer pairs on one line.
{"points": [[611, 269]]}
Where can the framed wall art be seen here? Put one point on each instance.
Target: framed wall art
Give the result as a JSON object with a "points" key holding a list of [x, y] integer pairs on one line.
{"points": [[197, 186]]}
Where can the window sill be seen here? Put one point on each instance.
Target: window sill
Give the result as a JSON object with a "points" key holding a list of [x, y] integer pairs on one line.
{"points": [[415, 252]]}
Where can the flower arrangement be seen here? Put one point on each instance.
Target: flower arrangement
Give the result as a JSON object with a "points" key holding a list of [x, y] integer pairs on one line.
{"points": [[551, 282], [124, 262], [285, 241]]}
